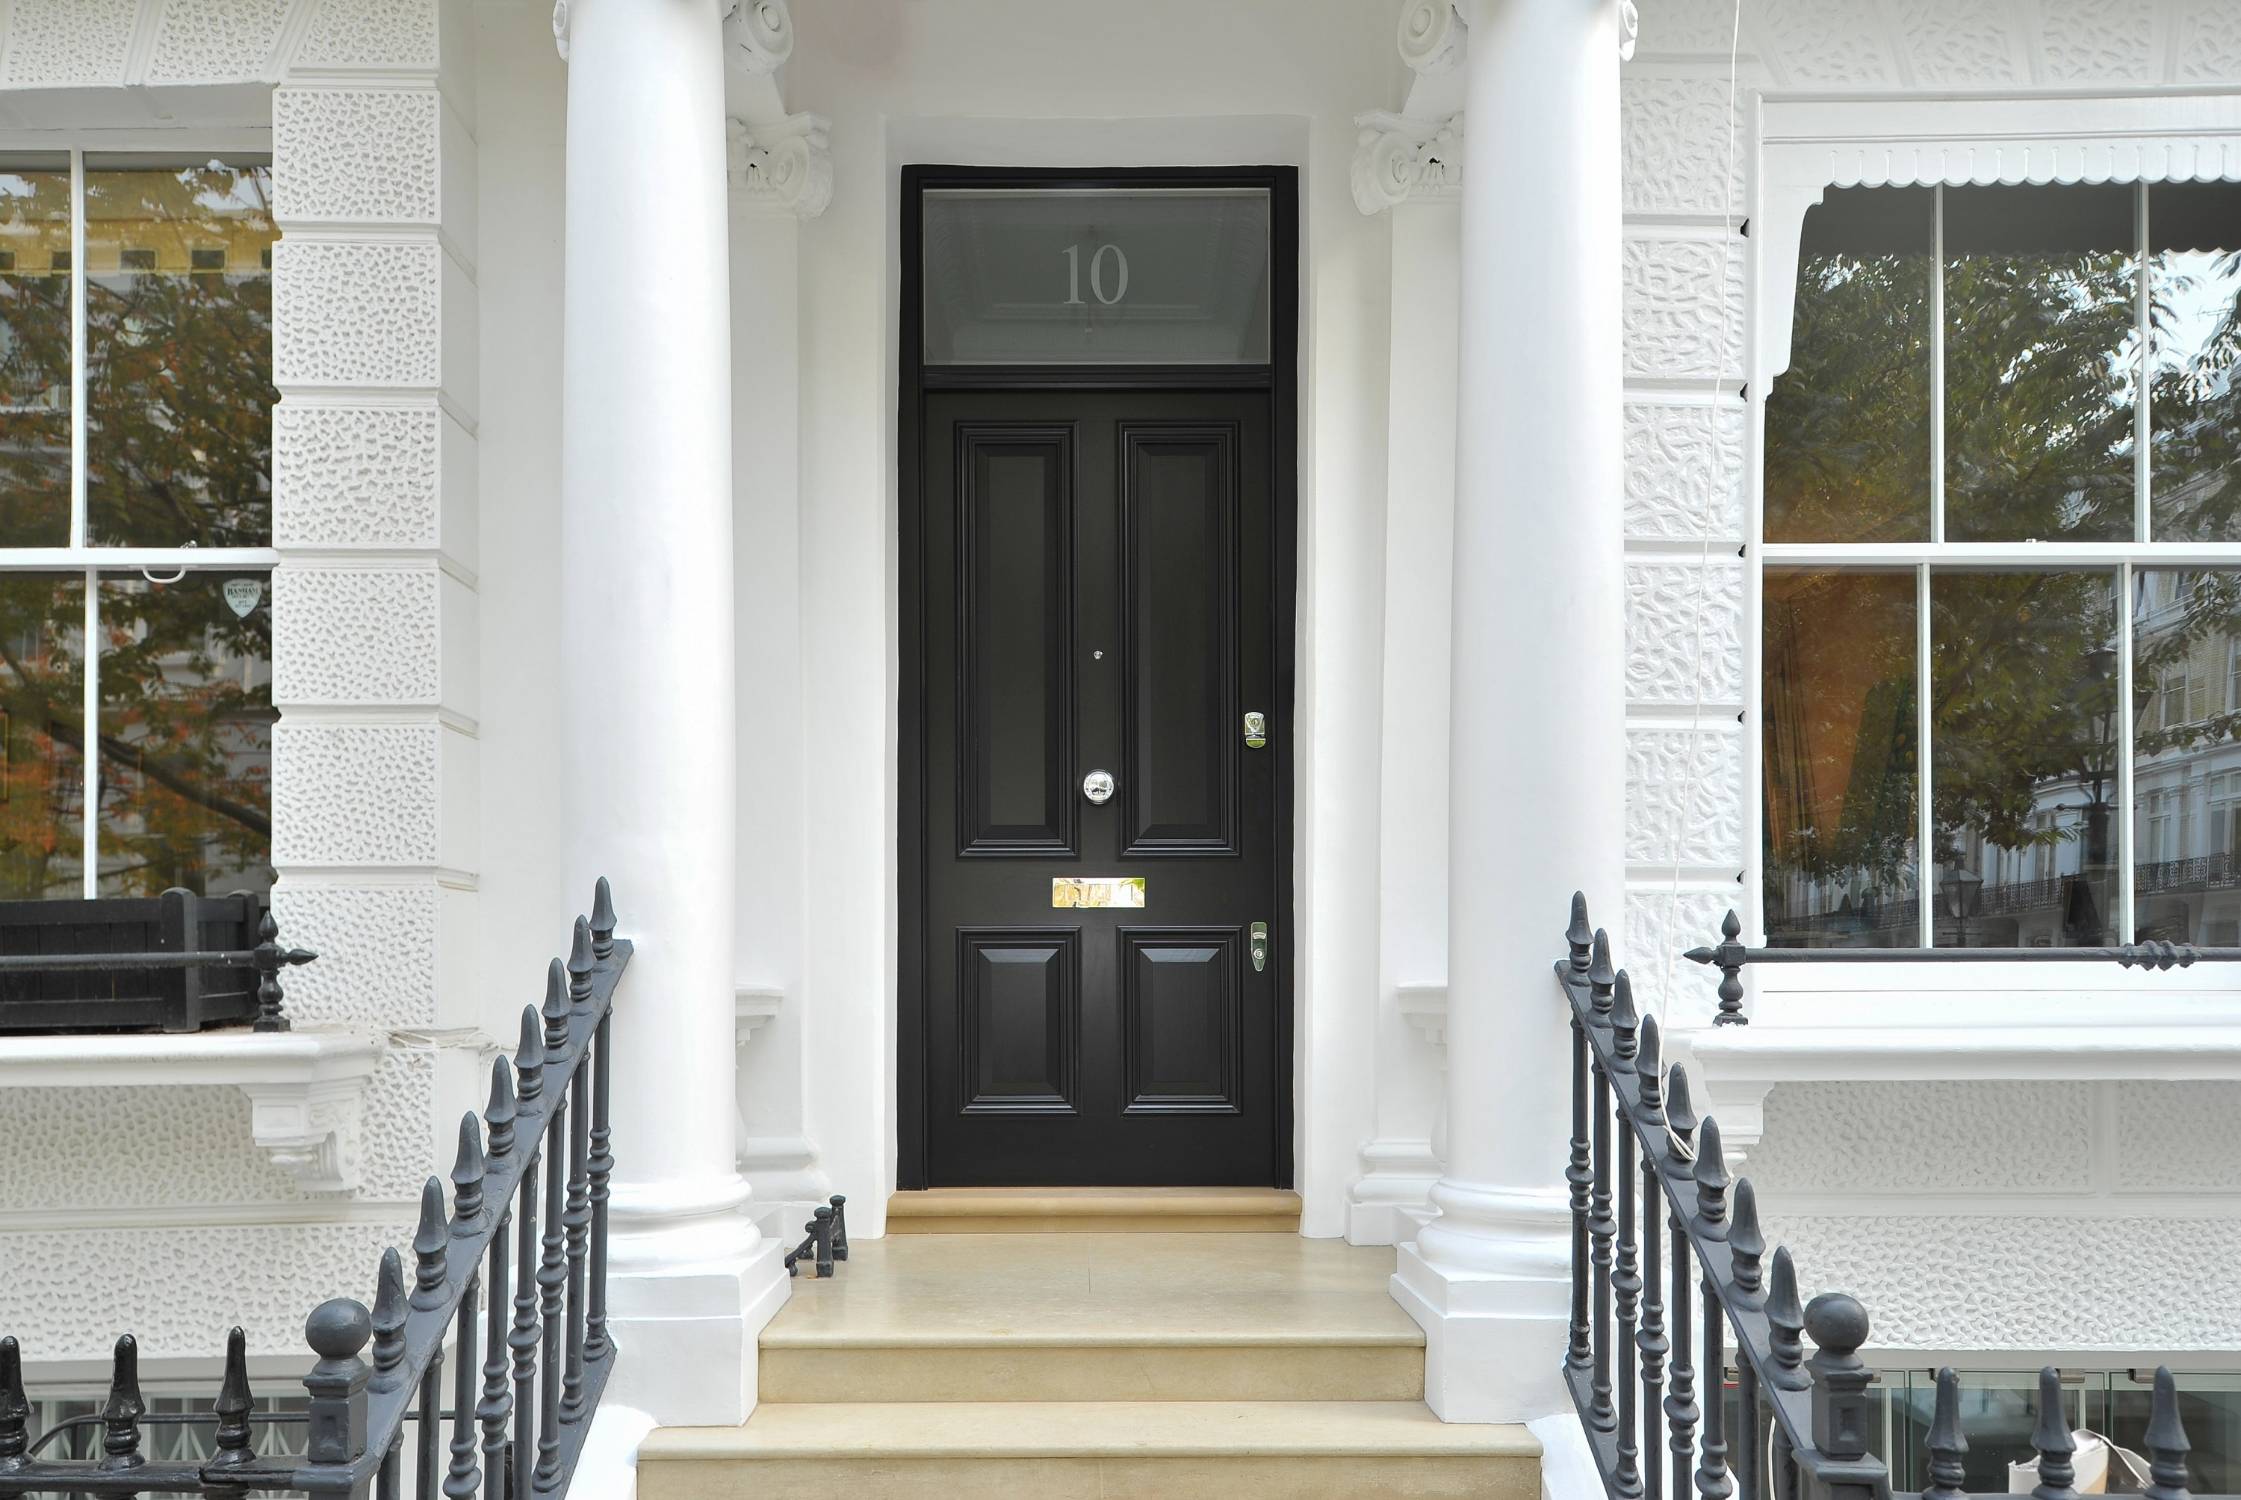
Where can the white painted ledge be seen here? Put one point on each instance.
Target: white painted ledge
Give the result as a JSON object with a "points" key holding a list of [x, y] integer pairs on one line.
{"points": [[1736, 1067], [306, 1089], [751, 1009]]}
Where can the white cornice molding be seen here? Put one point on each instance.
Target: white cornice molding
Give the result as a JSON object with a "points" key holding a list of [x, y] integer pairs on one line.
{"points": [[781, 168], [1810, 146], [1424, 1006], [751, 1010], [306, 1089], [1397, 158], [758, 36]]}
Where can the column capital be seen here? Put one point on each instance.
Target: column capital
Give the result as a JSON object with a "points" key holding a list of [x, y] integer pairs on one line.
{"points": [[783, 168], [1630, 27], [1397, 158], [758, 35], [1432, 36]]}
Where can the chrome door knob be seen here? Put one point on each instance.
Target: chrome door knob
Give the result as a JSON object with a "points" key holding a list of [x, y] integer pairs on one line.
{"points": [[1097, 786]]}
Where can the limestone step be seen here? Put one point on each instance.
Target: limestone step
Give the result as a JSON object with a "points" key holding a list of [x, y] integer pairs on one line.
{"points": [[1094, 1211], [1126, 1317], [1117, 1450]]}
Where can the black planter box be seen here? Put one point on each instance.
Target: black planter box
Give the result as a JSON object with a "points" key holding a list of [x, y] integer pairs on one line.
{"points": [[122, 997]]}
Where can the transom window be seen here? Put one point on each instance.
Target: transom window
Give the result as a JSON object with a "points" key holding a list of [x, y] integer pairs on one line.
{"points": [[136, 514], [2005, 463]]}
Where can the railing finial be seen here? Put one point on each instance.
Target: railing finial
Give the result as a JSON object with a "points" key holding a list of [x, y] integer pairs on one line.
{"points": [[556, 1011], [529, 1056], [1748, 1243], [1649, 1068], [1949, 1445], [602, 919], [1839, 1325], [336, 1330], [1579, 934], [2167, 1442], [121, 1413], [500, 1113], [2058, 1472], [233, 1406], [1786, 1324], [580, 964], [1680, 1118], [1601, 976], [430, 1247], [466, 1178], [15, 1407], [1711, 1181], [1626, 1023], [389, 1322]]}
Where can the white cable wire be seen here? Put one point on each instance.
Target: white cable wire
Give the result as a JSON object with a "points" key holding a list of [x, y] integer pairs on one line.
{"points": [[1712, 482]]}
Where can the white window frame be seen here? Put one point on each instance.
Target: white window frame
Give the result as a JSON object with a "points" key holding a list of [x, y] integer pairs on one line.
{"points": [[78, 557], [1806, 144]]}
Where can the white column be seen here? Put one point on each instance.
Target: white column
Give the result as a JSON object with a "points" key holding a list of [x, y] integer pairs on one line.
{"points": [[648, 751], [1536, 771]]}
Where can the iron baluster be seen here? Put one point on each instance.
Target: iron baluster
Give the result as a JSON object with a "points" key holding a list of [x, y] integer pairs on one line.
{"points": [[1750, 1434], [464, 1477], [1680, 1402], [1626, 1280], [1600, 1227], [529, 1082], [577, 1218], [428, 1428], [1712, 1480], [1581, 1179], [497, 1401], [596, 1343], [552, 1285], [1651, 1340]]}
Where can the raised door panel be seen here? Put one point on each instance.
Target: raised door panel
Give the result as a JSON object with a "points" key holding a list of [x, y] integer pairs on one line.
{"points": [[1019, 1019], [1015, 619], [1182, 1019], [1179, 600]]}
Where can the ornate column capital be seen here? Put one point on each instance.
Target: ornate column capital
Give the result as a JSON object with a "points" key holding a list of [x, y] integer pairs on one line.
{"points": [[786, 167], [1630, 27], [758, 35], [1397, 158], [560, 28], [1432, 36]]}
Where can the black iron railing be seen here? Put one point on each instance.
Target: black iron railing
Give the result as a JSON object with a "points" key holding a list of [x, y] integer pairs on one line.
{"points": [[824, 1239], [179, 962], [516, 1274], [1673, 1287], [1730, 955]]}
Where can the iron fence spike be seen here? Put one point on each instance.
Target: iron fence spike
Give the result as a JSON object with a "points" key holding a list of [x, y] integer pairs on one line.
{"points": [[2051, 1437], [389, 1321], [121, 1413], [1600, 974], [1626, 1022], [1579, 934], [15, 1407], [1785, 1323], [233, 1406], [500, 1113], [529, 1056], [602, 918], [1710, 1173], [2167, 1442], [431, 1246], [1948, 1444], [1748, 1243], [466, 1177]]}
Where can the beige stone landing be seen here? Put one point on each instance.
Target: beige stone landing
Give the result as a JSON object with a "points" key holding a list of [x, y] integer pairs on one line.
{"points": [[1094, 1211], [1113, 1450], [1106, 1365]]}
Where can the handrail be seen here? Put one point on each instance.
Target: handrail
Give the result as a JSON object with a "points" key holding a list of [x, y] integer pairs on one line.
{"points": [[1709, 1253], [1730, 955], [518, 1418]]}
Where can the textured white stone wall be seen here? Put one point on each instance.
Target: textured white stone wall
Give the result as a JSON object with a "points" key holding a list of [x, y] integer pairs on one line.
{"points": [[2018, 1215], [151, 1209]]}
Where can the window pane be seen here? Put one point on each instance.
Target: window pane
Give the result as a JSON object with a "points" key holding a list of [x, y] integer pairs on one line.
{"points": [[2209, 1410], [42, 719], [1848, 424], [186, 734], [2186, 795], [2023, 758], [179, 390], [1840, 737], [34, 352], [2194, 287], [2041, 303], [1999, 1410]]}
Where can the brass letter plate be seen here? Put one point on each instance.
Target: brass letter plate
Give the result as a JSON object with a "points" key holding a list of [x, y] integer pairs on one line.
{"points": [[1104, 890]]}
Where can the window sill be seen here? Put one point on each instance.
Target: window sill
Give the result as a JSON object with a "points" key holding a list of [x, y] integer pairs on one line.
{"points": [[2102, 1037], [306, 1089]]}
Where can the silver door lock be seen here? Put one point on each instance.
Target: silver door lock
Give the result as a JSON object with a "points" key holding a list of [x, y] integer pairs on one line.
{"points": [[1259, 946], [1097, 786], [1256, 730]]}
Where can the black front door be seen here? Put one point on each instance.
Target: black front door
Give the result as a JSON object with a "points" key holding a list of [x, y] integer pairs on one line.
{"points": [[1100, 595]]}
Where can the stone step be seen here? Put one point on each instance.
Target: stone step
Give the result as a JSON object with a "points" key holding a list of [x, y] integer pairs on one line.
{"points": [[1102, 1450], [1094, 1211], [1125, 1317]]}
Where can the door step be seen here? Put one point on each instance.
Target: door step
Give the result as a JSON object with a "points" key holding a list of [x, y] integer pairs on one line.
{"points": [[1094, 1211], [1096, 1450]]}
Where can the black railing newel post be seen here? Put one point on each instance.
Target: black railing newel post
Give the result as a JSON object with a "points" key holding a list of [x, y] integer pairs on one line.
{"points": [[1579, 934], [821, 1225], [2057, 1449], [121, 1413], [431, 1247], [1729, 956], [269, 958], [1838, 1325], [337, 1330], [840, 1226], [15, 1407], [2167, 1442], [1748, 1244], [389, 1323], [1786, 1324], [1948, 1444]]}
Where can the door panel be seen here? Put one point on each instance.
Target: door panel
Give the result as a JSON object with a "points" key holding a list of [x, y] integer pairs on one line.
{"points": [[1099, 594], [1179, 525], [1015, 566]]}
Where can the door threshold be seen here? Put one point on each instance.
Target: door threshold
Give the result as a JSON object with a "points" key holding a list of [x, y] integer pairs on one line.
{"points": [[1095, 1210]]}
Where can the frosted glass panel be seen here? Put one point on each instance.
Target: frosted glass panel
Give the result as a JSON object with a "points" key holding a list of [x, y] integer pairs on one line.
{"points": [[1123, 276]]}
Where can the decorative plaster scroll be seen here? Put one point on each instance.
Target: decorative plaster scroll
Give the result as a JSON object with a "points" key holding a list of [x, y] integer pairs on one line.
{"points": [[560, 28], [1432, 36], [1630, 29], [758, 36], [1397, 158], [311, 1132], [786, 167]]}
